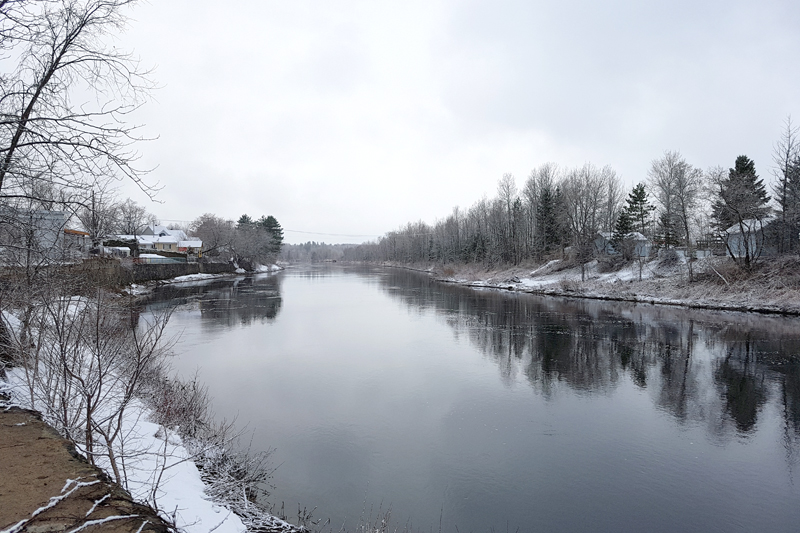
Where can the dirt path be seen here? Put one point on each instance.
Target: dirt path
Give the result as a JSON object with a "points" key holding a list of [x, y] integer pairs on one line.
{"points": [[46, 486]]}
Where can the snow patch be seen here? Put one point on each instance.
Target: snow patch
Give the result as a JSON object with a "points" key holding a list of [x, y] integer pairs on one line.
{"points": [[161, 469], [268, 268]]}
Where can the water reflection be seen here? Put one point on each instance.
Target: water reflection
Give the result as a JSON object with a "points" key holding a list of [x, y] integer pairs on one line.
{"points": [[225, 303], [484, 407], [711, 368]]}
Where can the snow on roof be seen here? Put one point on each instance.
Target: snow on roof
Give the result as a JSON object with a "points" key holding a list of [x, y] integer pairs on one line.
{"points": [[190, 244], [635, 235], [751, 224], [163, 231]]}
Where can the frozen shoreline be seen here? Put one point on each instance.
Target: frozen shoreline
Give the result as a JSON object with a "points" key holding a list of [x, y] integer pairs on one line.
{"points": [[140, 289], [163, 467], [768, 291]]}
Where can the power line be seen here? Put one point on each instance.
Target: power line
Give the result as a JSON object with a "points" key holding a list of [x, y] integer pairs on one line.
{"points": [[330, 234]]}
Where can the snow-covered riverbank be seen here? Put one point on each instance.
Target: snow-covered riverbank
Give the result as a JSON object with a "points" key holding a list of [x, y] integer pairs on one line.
{"points": [[139, 289], [150, 432], [717, 283], [179, 493]]}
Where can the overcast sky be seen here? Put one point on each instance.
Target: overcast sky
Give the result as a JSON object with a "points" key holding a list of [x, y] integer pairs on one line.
{"points": [[353, 117]]}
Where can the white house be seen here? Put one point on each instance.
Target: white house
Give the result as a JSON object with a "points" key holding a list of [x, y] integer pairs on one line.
{"points": [[162, 239], [749, 237]]}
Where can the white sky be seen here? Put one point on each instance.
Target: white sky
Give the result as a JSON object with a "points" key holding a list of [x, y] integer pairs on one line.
{"points": [[355, 117]]}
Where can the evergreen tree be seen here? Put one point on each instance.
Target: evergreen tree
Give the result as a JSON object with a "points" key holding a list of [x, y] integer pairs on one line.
{"points": [[741, 196], [274, 230], [622, 227], [741, 201], [667, 231], [548, 220], [639, 209], [244, 222]]}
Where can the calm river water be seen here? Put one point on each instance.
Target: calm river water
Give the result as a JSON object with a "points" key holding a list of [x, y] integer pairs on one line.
{"points": [[487, 410]]}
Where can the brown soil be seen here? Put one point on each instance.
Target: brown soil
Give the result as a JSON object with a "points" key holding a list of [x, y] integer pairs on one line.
{"points": [[35, 466]]}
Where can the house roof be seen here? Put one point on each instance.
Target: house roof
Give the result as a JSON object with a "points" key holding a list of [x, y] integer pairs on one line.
{"points": [[751, 224], [76, 232], [163, 231], [635, 235]]}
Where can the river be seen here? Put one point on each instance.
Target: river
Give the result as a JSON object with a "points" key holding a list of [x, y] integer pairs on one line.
{"points": [[380, 389]]}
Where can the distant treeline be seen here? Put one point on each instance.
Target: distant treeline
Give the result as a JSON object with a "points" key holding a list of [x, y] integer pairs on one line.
{"points": [[561, 210], [313, 252]]}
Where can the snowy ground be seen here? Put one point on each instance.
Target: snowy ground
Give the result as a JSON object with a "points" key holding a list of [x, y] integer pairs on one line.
{"points": [[162, 464], [159, 468], [773, 287], [138, 289]]}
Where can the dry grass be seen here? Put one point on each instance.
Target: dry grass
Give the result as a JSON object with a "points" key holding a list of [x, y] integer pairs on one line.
{"points": [[773, 285]]}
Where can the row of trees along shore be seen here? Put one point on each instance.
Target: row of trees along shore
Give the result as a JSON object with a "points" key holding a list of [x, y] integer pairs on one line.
{"points": [[246, 241], [560, 210]]}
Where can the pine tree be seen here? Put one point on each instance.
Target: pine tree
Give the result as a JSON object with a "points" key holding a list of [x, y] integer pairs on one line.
{"points": [[667, 231], [622, 228], [275, 232], [244, 222], [639, 209], [548, 221], [741, 202], [741, 196]]}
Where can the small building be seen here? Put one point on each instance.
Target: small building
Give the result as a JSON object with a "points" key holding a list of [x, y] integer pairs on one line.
{"points": [[166, 243], [31, 230], [117, 251], [754, 236], [192, 246], [155, 238], [76, 243]]}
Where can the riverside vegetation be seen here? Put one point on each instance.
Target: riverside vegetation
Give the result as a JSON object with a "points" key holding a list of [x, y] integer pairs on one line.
{"points": [[85, 358], [771, 286]]}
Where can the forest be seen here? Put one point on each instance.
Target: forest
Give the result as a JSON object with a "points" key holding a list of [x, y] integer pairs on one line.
{"points": [[560, 211]]}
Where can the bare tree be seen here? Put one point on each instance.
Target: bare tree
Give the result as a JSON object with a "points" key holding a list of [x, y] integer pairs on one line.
{"points": [[688, 187], [99, 214], [661, 178], [786, 156], [507, 194], [585, 190], [131, 218], [530, 194], [216, 233], [48, 137], [677, 187]]}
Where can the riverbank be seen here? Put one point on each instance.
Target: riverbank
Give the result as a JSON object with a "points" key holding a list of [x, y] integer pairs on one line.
{"points": [[141, 289], [174, 455], [773, 287], [47, 486]]}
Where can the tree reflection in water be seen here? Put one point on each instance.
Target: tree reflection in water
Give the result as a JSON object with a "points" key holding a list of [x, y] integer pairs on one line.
{"points": [[225, 302], [710, 368]]}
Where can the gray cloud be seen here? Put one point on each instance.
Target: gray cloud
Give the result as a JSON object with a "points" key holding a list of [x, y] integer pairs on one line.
{"points": [[354, 117]]}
